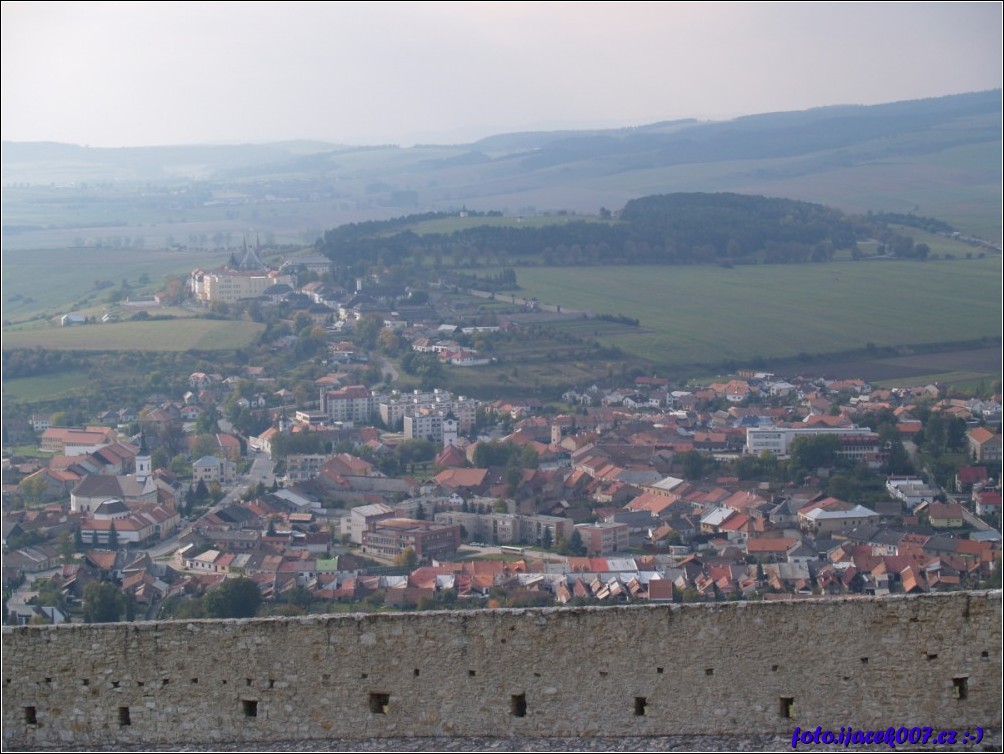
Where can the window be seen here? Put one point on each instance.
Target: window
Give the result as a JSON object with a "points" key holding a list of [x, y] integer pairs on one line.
{"points": [[517, 705], [788, 707], [640, 703], [961, 686], [249, 707], [379, 703]]}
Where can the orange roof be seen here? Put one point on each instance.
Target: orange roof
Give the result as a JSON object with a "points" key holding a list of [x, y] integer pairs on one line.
{"points": [[981, 434], [652, 502], [461, 477], [769, 544]]}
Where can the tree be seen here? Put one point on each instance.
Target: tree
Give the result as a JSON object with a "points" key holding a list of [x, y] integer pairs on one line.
{"points": [[201, 491], [809, 453], [113, 537], [407, 558], [236, 598], [172, 438], [66, 547], [897, 460], [692, 463], [546, 539], [513, 478], [575, 544], [103, 603], [205, 445], [207, 423], [33, 488], [367, 330], [529, 457]]}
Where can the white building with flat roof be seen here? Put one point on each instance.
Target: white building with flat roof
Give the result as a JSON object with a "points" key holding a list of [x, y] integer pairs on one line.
{"points": [[856, 442]]}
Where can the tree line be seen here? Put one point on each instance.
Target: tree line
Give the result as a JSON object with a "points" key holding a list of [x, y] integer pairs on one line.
{"points": [[681, 228]]}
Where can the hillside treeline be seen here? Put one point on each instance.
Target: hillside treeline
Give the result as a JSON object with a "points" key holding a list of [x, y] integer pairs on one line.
{"points": [[682, 228]]}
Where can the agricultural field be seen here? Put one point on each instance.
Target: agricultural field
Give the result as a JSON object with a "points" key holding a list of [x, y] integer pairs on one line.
{"points": [[45, 387], [705, 315], [156, 335], [56, 281], [453, 224]]}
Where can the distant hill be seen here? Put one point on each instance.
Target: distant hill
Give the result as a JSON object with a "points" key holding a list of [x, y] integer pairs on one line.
{"points": [[935, 157], [681, 228]]}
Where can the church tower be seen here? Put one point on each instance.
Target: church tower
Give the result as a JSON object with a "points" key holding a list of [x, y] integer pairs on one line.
{"points": [[451, 429], [143, 460]]}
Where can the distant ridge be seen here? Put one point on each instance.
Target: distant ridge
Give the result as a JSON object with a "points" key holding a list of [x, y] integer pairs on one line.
{"points": [[939, 157]]}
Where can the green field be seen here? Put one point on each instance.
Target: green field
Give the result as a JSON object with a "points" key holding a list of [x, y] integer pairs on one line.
{"points": [[704, 315], [44, 388], [158, 335], [454, 224], [54, 281], [960, 380]]}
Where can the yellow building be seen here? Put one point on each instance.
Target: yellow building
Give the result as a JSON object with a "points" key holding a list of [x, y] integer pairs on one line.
{"points": [[228, 286]]}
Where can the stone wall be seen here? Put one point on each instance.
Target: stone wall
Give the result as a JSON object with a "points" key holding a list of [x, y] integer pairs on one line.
{"points": [[743, 668]]}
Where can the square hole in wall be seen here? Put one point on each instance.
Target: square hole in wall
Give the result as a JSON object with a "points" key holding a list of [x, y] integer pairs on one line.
{"points": [[709, 671], [961, 687], [517, 705], [124, 718], [29, 716], [472, 673], [379, 703], [640, 703], [249, 707], [787, 707], [660, 671]]}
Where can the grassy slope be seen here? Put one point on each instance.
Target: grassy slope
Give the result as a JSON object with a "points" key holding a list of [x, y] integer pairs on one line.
{"points": [[704, 315], [46, 387]]}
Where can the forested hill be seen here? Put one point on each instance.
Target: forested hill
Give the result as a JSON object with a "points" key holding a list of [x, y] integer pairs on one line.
{"points": [[666, 229]]}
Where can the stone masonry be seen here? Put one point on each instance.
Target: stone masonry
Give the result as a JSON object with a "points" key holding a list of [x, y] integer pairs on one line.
{"points": [[758, 668]]}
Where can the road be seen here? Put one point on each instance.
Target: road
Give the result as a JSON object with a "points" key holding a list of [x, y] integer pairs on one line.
{"points": [[262, 470]]}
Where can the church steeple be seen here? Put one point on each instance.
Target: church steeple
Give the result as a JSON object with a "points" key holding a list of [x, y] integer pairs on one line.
{"points": [[143, 460]]}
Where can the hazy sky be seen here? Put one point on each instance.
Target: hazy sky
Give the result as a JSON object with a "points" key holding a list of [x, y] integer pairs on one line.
{"points": [[124, 74]]}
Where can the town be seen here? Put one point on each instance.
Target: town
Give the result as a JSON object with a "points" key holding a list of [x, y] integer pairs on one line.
{"points": [[365, 484]]}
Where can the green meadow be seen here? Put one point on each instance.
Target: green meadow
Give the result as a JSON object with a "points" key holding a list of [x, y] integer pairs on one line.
{"points": [[704, 315], [157, 335], [454, 224], [45, 387]]}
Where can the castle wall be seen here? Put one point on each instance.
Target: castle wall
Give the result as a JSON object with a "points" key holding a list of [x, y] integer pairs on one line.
{"points": [[742, 668]]}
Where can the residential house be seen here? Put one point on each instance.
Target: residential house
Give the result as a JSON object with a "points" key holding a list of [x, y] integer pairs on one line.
{"points": [[210, 469], [984, 445]]}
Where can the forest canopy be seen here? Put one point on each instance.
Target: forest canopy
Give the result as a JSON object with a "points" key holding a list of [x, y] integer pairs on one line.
{"points": [[681, 228]]}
